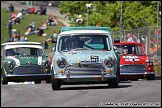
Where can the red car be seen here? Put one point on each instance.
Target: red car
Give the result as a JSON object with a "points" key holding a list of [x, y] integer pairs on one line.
{"points": [[134, 62]]}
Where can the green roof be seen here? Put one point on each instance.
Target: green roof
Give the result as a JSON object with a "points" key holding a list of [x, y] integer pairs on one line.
{"points": [[84, 28]]}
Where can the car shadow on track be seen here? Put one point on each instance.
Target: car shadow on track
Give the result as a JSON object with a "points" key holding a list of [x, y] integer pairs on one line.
{"points": [[93, 87]]}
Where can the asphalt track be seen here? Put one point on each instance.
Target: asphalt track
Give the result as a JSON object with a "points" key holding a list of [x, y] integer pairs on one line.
{"points": [[142, 93]]}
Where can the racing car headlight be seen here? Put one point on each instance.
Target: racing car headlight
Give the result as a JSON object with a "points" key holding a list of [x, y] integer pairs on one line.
{"points": [[46, 63], [109, 62], [10, 64], [149, 62], [61, 62]]}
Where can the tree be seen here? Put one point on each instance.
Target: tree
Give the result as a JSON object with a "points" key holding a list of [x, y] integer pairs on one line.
{"points": [[108, 13]]}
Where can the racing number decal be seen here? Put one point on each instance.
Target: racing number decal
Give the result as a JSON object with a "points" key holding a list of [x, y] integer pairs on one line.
{"points": [[131, 58], [94, 59]]}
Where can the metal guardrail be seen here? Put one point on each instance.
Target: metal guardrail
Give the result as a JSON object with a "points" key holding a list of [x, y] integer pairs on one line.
{"points": [[149, 36]]}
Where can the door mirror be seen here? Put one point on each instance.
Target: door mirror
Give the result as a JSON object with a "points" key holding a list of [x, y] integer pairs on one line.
{"points": [[53, 49], [116, 49]]}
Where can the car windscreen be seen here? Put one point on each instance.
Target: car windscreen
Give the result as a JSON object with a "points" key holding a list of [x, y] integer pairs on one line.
{"points": [[130, 49], [80, 42], [24, 51]]}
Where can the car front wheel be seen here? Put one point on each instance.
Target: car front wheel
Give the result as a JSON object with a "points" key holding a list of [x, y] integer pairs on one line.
{"points": [[48, 80], [4, 80], [37, 81], [151, 77], [113, 83], [54, 82]]}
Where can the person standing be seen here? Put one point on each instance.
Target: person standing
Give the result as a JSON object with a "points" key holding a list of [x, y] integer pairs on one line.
{"points": [[9, 26], [129, 38]]}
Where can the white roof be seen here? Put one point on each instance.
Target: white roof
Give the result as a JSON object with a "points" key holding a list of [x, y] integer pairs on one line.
{"points": [[84, 31], [21, 43], [23, 46]]}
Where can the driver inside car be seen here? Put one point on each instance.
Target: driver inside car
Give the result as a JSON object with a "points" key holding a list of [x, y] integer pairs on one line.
{"points": [[10, 52]]}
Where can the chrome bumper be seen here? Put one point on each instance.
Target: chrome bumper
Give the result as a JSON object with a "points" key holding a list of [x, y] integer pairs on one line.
{"points": [[145, 73], [68, 76]]}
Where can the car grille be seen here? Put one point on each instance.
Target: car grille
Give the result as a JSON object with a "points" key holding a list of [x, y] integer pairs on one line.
{"points": [[32, 69], [133, 69], [89, 69]]}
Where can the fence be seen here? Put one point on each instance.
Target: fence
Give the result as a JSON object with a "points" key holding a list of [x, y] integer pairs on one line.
{"points": [[149, 36]]}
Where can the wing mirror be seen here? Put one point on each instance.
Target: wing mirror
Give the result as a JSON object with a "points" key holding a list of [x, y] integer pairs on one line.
{"points": [[116, 49]]}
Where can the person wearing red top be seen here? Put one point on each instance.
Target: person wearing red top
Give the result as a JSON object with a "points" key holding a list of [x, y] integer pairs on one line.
{"points": [[32, 10]]}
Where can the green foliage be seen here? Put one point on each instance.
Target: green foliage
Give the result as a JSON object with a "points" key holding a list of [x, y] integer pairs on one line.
{"points": [[24, 22], [108, 13]]}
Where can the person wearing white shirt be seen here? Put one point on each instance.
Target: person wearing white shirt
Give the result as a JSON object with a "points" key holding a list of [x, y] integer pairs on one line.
{"points": [[19, 15], [17, 18], [129, 38]]}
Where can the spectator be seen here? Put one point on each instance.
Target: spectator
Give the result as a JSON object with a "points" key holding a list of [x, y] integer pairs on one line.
{"points": [[16, 37], [31, 10], [49, 20], [13, 15], [135, 39], [17, 18], [33, 24], [29, 29], [12, 37], [40, 32], [22, 38], [55, 22], [44, 25], [9, 26], [129, 38], [43, 10], [39, 9], [53, 38], [10, 8]]}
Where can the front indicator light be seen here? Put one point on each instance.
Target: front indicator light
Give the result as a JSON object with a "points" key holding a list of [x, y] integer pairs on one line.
{"points": [[61, 71], [149, 68], [108, 70], [46, 70]]}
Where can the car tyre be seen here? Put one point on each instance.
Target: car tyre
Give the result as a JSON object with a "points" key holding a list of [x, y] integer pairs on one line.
{"points": [[135, 79], [48, 80], [113, 83], [37, 81], [4, 79], [151, 77], [54, 82], [118, 74]]}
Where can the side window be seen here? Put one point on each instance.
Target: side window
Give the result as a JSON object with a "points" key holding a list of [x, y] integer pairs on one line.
{"points": [[36, 52], [139, 48]]}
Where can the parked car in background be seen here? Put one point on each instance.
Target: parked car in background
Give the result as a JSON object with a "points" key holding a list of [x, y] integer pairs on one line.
{"points": [[134, 62], [84, 56], [24, 61]]}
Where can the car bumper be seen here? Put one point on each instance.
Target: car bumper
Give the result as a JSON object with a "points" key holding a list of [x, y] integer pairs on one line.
{"points": [[134, 71], [136, 75], [29, 77], [74, 77]]}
